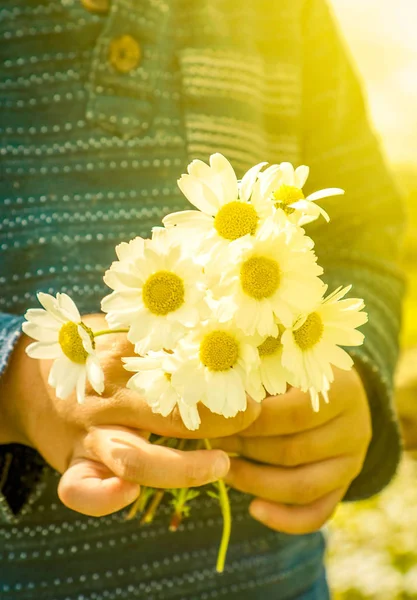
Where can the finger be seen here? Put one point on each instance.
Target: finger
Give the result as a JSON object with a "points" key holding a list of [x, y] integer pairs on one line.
{"points": [[296, 520], [121, 405], [125, 407], [290, 413], [298, 485], [133, 458], [330, 440], [90, 488]]}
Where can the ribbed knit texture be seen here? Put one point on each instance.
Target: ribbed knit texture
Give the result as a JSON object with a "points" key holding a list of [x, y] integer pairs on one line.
{"points": [[89, 157]]}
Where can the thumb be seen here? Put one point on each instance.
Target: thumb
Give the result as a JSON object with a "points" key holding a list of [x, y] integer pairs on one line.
{"points": [[89, 487], [128, 455]]}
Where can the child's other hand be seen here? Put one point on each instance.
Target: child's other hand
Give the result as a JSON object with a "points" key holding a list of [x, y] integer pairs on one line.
{"points": [[305, 461]]}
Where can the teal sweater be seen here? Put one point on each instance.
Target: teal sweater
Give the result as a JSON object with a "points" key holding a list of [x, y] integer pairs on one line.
{"points": [[90, 153]]}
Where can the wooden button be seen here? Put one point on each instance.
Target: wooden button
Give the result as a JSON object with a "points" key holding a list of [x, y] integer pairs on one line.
{"points": [[96, 6], [124, 53]]}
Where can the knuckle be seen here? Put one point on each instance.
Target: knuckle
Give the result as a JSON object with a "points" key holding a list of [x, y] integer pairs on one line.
{"points": [[309, 491], [131, 468], [291, 452]]}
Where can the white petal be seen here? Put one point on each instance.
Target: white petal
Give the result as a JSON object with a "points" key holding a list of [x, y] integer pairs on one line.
{"points": [[270, 180], [67, 305], [120, 301], [40, 333], [199, 169], [338, 357], [51, 305], [58, 370], [248, 181], [81, 387], [95, 373], [199, 194], [66, 385], [315, 400], [288, 173], [301, 175], [130, 249], [343, 337], [254, 385], [189, 218], [311, 210], [273, 375], [44, 350], [189, 415], [236, 395], [86, 340], [216, 392], [337, 294], [325, 194], [226, 176], [41, 317], [120, 280]]}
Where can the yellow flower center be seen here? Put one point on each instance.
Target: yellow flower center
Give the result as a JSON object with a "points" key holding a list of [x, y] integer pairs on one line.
{"points": [[71, 342], [168, 376], [310, 332], [270, 346], [219, 351], [163, 292], [260, 277], [286, 195], [236, 219]]}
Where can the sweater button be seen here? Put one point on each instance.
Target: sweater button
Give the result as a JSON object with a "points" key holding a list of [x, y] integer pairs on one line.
{"points": [[124, 53], [96, 6]]}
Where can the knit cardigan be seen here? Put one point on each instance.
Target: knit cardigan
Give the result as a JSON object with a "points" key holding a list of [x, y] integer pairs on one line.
{"points": [[90, 155]]}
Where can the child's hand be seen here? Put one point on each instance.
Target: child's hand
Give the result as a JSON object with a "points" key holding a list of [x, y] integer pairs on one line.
{"points": [[305, 460], [101, 445], [110, 462]]}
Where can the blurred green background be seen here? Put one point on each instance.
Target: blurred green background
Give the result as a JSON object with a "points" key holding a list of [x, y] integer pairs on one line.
{"points": [[373, 544]]}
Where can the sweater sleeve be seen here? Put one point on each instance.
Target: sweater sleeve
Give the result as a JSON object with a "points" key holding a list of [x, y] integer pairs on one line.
{"points": [[361, 244], [21, 467], [10, 331]]}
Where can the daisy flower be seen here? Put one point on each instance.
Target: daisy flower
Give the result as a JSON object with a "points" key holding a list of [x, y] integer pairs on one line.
{"points": [[152, 379], [281, 185], [61, 335], [311, 345], [270, 278], [158, 295], [225, 212], [217, 366]]}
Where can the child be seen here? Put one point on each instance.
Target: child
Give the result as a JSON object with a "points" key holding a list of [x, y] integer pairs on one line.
{"points": [[104, 102]]}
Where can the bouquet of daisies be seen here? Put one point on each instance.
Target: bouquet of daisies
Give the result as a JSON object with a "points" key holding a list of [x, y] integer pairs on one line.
{"points": [[223, 302]]}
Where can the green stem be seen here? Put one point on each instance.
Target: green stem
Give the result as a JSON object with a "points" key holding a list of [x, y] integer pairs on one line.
{"points": [[153, 507], [227, 520], [139, 504], [109, 331]]}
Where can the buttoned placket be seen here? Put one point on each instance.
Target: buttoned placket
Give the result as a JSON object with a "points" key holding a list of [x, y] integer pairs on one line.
{"points": [[125, 65]]}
